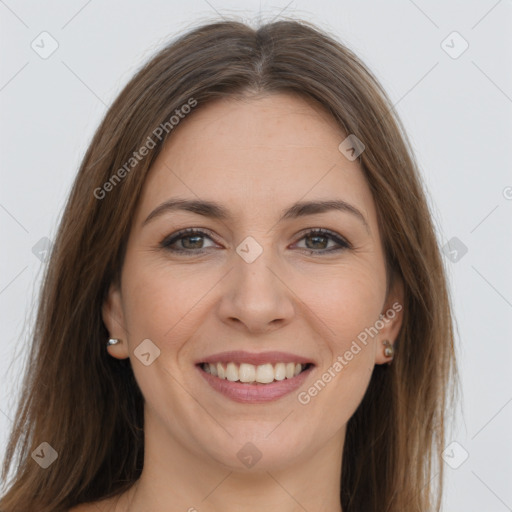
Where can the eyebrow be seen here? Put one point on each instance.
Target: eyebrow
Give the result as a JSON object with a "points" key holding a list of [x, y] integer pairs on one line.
{"points": [[217, 211]]}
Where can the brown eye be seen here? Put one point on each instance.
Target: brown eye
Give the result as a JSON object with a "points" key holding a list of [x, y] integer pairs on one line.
{"points": [[192, 241], [189, 240], [317, 241]]}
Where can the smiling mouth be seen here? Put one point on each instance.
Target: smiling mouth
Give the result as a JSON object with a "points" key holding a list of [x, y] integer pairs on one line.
{"points": [[246, 373]]}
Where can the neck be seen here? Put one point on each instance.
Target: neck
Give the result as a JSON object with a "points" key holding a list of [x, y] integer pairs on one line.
{"points": [[178, 478]]}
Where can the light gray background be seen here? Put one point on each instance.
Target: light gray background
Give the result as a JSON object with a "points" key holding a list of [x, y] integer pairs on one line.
{"points": [[457, 112]]}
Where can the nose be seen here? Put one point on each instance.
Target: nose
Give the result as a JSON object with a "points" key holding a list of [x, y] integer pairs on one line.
{"points": [[255, 296]]}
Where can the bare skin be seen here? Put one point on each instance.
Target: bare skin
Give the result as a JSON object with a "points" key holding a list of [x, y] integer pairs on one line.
{"points": [[256, 157]]}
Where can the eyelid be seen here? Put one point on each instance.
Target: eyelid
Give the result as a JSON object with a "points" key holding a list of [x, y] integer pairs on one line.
{"points": [[339, 239], [181, 233], [342, 242]]}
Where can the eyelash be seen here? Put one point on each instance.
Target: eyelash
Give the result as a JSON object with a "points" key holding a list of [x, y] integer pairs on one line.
{"points": [[189, 232]]}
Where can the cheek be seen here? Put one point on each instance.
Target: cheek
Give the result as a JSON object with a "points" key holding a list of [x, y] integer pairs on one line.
{"points": [[162, 303], [349, 304], [348, 300]]}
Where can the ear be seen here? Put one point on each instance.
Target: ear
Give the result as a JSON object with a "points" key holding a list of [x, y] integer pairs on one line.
{"points": [[391, 317], [113, 317]]}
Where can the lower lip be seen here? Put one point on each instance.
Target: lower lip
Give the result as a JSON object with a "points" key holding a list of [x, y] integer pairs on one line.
{"points": [[255, 393]]}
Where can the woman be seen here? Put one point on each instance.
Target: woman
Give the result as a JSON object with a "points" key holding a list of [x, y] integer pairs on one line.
{"points": [[246, 307]]}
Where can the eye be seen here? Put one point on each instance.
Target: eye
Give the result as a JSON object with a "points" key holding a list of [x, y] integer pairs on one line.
{"points": [[319, 239], [189, 240]]}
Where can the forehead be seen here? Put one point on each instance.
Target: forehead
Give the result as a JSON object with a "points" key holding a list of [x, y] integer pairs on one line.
{"points": [[256, 155]]}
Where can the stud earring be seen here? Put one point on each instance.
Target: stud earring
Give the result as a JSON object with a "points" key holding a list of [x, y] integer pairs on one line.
{"points": [[112, 341], [388, 350]]}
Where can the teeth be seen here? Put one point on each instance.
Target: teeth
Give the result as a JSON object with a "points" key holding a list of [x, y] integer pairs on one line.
{"points": [[232, 372], [264, 373], [249, 373], [280, 371]]}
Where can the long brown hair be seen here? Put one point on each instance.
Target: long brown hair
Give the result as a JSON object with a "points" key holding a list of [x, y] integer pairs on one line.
{"points": [[87, 406]]}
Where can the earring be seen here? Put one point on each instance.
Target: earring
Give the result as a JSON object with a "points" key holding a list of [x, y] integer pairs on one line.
{"points": [[389, 349], [112, 341]]}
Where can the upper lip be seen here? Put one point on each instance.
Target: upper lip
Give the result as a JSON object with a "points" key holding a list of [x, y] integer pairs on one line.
{"points": [[240, 356]]}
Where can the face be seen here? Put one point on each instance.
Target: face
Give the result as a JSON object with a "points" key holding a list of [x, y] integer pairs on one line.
{"points": [[254, 281]]}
